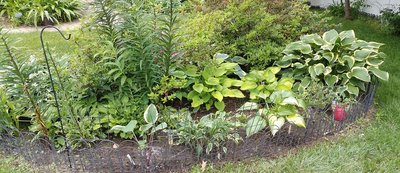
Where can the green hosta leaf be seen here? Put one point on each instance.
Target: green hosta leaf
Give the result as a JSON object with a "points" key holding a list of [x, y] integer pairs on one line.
{"points": [[358, 83], [269, 76], [217, 95], [285, 84], [290, 57], [191, 70], [331, 80], [284, 64], [219, 72], [298, 46], [347, 37], [361, 55], [192, 94], [298, 65], [352, 89], [130, 127], [374, 61], [275, 124], [248, 85], [196, 101], [159, 127], [331, 36], [379, 73], [228, 66], [329, 56], [313, 39], [232, 93], [212, 81], [220, 105], [350, 60], [297, 120], [179, 74], [198, 87], [248, 106], [319, 69], [255, 125], [290, 101], [361, 73], [274, 70], [151, 114], [311, 71]]}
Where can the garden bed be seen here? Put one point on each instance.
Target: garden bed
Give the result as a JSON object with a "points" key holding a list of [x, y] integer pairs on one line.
{"points": [[124, 156]]}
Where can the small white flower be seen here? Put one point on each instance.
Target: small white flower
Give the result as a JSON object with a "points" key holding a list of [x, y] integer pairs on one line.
{"points": [[18, 15]]}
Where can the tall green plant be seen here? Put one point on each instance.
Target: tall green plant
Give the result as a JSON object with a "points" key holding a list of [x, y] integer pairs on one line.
{"points": [[16, 77]]}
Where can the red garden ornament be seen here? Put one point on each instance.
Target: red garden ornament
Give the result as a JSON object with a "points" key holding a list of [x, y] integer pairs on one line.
{"points": [[339, 114]]}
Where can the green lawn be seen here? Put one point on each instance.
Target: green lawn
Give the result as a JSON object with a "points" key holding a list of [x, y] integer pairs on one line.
{"points": [[375, 148]]}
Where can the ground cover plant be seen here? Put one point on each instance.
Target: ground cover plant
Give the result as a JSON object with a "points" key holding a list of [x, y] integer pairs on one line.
{"points": [[131, 75]]}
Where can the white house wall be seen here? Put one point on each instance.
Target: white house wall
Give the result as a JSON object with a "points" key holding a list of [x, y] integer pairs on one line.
{"points": [[375, 6]]}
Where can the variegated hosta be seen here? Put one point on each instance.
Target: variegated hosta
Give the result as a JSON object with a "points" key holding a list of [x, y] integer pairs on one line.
{"points": [[281, 104], [339, 60]]}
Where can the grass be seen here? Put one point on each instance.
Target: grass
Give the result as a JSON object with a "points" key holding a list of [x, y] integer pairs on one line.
{"points": [[13, 165], [375, 148]]}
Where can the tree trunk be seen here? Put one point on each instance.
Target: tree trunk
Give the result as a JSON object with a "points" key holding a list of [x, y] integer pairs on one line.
{"points": [[347, 9]]}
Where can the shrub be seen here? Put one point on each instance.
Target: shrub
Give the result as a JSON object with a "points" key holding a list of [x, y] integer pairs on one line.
{"points": [[391, 18], [338, 60], [254, 29], [40, 12]]}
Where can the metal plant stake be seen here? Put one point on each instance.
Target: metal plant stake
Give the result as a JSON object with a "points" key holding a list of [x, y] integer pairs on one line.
{"points": [[53, 88]]}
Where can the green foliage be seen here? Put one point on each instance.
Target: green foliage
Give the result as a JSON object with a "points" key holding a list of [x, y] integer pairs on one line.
{"points": [[391, 18], [212, 84], [338, 60], [356, 7], [40, 12], [254, 29], [8, 113], [146, 131], [21, 77], [209, 133]]}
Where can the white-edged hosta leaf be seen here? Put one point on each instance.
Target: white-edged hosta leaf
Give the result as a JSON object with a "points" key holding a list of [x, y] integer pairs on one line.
{"points": [[296, 119], [379, 73], [255, 125], [275, 123], [151, 114], [248, 106], [331, 36], [361, 73], [331, 80]]}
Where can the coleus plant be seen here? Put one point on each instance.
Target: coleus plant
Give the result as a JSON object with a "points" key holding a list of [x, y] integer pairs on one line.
{"points": [[338, 60], [280, 103]]}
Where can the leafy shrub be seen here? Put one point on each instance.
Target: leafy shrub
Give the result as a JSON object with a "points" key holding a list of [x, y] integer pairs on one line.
{"points": [[391, 18], [40, 12], [254, 29], [338, 60]]}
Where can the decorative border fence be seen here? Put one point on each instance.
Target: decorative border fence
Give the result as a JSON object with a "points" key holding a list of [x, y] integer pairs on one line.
{"points": [[124, 156]]}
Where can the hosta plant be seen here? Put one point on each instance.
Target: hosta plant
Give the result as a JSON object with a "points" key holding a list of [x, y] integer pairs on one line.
{"points": [[213, 83], [338, 60], [279, 102]]}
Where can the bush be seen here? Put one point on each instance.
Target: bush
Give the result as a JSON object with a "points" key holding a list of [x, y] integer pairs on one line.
{"points": [[391, 18], [337, 60], [40, 12], [254, 29]]}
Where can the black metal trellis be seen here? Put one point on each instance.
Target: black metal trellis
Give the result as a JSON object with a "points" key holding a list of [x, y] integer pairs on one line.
{"points": [[52, 84]]}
